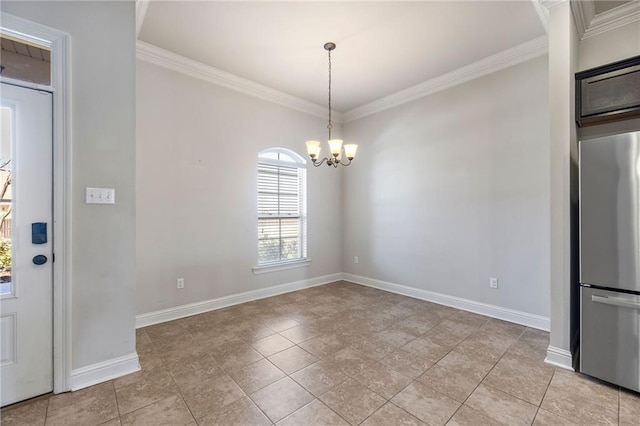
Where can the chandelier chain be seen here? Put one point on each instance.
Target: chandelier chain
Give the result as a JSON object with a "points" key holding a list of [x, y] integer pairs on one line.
{"points": [[329, 126]]}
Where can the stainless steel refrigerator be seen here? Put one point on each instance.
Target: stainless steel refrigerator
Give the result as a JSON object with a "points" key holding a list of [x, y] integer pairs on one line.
{"points": [[610, 259]]}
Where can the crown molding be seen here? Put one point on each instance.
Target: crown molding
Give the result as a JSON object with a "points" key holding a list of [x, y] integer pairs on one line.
{"points": [[507, 58], [141, 12], [550, 4], [627, 13], [166, 59], [587, 22], [543, 14], [583, 14]]}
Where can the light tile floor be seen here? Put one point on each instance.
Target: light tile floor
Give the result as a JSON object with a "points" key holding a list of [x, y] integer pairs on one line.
{"points": [[338, 354]]}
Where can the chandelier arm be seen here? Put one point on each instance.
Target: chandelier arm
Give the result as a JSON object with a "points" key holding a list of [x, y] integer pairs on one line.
{"points": [[317, 163], [345, 164]]}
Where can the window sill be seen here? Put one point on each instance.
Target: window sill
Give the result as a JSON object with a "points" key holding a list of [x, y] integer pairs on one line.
{"points": [[274, 267]]}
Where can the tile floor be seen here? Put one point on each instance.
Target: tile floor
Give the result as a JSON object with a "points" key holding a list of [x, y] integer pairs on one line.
{"points": [[338, 354]]}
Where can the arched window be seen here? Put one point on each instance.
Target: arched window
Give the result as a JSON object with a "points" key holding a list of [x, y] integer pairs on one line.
{"points": [[282, 207]]}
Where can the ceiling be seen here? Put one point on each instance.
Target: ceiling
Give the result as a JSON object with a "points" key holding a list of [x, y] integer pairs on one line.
{"points": [[382, 47]]}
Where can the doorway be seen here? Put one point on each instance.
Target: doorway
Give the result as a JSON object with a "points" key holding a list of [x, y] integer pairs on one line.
{"points": [[26, 254], [58, 44]]}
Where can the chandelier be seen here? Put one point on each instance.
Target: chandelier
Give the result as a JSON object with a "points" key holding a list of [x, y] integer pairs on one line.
{"points": [[335, 145]]}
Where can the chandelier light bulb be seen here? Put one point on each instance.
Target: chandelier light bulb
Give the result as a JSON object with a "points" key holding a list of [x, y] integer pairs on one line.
{"points": [[335, 146], [350, 151], [313, 149]]}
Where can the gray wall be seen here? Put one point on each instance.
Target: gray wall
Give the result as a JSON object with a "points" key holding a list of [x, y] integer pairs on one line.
{"points": [[197, 147], [103, 138], [563, 59], [452, 189]]}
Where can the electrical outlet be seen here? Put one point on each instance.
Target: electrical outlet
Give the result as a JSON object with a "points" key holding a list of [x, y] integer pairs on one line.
{"points": [[355, 259], [180, 283], [493, 282]]}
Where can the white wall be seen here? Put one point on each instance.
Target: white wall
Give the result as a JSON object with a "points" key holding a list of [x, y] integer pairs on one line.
{"points": [[103, 138], [452, 189], [197, 147]]}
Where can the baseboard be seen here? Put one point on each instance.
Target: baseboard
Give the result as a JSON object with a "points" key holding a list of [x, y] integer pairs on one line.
{"points": [[170, 314], [103, 371], [183, 311], [518, 317], [559, 357]]}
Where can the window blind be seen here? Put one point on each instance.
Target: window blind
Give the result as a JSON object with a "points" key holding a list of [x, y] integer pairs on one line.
{"points": [[281, 221]]}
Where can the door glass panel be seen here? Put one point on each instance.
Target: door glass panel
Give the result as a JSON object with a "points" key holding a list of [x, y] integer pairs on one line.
{"points": [[6, 201], [22, 60]]}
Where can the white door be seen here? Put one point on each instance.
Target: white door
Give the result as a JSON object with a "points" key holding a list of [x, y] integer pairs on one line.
{"points": [[26, 264]]}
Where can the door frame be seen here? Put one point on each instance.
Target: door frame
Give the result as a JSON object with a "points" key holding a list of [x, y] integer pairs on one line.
{"points": [[60, 44]]}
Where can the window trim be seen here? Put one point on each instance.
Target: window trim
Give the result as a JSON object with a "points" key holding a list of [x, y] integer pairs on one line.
{"points": [[281, 266]]}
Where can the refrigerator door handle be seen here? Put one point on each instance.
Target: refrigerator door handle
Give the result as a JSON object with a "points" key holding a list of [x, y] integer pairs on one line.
{"points": [[616, 301]]}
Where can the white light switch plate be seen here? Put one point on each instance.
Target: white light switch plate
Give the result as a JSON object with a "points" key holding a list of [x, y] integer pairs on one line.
{"points": [[101, 196]]}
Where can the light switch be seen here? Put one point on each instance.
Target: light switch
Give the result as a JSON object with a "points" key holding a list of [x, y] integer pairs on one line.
{"points": [[101, 196]]}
